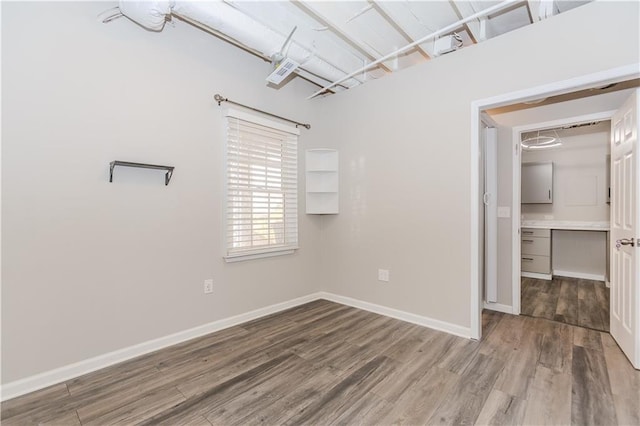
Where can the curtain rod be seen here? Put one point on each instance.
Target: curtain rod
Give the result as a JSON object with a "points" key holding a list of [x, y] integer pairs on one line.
{"points": [[220, 100]]}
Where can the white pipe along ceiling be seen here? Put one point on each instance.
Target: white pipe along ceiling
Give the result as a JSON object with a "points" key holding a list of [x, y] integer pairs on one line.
{"points": [[340, 45]]}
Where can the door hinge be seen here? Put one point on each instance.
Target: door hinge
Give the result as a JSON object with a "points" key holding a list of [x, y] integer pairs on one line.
{"points": [[517, 146]]}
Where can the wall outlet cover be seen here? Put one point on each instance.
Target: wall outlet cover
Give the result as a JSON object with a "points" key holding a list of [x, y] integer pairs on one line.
{"points": [[208, 286], [383, 275]]}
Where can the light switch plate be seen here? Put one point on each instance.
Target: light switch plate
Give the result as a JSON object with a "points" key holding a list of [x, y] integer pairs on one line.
{"points": [[504, 211]]}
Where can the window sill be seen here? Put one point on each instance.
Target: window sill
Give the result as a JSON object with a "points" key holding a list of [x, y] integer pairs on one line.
{"points": [[258, 255]]}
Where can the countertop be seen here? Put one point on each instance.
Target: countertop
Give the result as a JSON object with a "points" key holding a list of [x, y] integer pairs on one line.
{"points": [[569, 225]]}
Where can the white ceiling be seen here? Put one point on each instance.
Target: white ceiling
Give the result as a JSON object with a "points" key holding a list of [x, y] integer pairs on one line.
{"points": [[334, 39]]}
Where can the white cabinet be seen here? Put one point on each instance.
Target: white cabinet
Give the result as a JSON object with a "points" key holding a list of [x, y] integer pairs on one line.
{"points": [[535, 253], [537, 183], [321, 173]]}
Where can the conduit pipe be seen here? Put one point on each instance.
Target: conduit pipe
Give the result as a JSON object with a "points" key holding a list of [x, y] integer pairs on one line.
{"points": [[496, 8], [236, 27], [245, 30]]}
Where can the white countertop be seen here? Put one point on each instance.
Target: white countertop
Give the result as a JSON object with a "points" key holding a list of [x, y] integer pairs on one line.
{"points": [[569, 225]]}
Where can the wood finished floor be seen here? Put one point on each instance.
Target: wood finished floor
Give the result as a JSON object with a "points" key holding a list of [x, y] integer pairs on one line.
{"points": [[584, 303], [324, 363]]}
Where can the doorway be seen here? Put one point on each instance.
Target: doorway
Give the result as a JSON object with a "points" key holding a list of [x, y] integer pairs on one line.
{"points": [[564, 88], [565, 216]]}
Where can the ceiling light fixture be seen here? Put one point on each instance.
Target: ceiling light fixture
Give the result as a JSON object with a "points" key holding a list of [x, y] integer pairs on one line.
{"points": [[541, 141], [551, 145]]}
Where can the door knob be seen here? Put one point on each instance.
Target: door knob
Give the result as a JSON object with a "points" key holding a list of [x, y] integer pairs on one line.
{"points": [[625, 242]]}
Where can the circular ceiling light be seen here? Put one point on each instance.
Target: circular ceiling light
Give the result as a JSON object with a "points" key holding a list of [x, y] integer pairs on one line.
{"points": [[541, 142]]}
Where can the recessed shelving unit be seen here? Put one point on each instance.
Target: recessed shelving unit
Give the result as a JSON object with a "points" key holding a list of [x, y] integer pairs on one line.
{"points": [[322, 178], [167, 176]]}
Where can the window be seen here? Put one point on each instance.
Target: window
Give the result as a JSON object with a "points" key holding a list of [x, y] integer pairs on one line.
{"points": [[262, 187]]}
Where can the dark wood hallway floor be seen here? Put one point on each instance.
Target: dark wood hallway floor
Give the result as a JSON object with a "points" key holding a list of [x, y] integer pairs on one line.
{"points": [[584, 303], [324, 363]]}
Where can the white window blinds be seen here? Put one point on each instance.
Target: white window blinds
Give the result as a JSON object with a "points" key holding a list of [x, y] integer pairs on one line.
{"points": [[262, 187]]}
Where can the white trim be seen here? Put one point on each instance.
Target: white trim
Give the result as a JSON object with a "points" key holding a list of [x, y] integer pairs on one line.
{"points": [[581, 275], [67, 372], [515, 222], [597, 116], [474, 236], [535, 275], [58, 375], [239, 257], [612, 75], [498, 307], [435, 324]]}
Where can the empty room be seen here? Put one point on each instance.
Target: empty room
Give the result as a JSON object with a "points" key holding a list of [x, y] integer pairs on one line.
{"points": [[309, 212]]}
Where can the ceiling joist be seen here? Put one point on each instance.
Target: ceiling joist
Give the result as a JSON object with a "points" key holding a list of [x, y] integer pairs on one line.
{"points": [[341, 32], [380, 8], [370, 37], [477, 28]]}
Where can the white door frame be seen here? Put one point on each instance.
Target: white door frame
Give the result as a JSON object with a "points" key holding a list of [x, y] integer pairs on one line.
{"points": [[515, 206], [601, 78]]}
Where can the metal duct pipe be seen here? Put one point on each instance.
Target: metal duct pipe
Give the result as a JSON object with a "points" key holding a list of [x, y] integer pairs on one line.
{"points": [[235, 26], [246, 31]]}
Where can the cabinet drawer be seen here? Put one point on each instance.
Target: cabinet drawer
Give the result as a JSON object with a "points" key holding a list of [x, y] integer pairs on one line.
{"points": [[533, 232], [536, 245], [535, 263]]}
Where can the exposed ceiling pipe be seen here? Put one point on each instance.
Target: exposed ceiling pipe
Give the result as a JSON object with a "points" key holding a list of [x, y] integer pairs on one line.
{"points": [[235, 26], [496, 8], [302, 73], [150, 14]]}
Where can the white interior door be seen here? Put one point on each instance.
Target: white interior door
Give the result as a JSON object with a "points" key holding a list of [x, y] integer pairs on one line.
{"points": [[625, 224]]}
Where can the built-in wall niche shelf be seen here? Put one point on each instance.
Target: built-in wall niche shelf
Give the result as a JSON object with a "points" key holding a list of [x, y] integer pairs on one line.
{"points": [[322, 178], [167, 176]]}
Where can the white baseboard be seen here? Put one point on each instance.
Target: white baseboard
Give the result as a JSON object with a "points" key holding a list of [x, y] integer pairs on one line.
{"points": [[401, 315], [58, 375], [498, 307], [62, 374], [536, 275], [581, 275]]}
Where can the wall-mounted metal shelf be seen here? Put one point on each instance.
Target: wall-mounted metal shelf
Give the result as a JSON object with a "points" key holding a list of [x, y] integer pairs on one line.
{"points": [[167, 177]]}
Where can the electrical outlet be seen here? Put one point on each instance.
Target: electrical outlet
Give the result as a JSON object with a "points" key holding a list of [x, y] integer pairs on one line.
{"points": [[208, 286], [383, 275]]}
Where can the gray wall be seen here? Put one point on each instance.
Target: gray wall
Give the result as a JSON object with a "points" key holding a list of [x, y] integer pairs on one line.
{"points": [[90, 266], [404, 149]]}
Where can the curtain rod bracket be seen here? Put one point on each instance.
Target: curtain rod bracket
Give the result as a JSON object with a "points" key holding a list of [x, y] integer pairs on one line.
{"points": [[219, 99]]}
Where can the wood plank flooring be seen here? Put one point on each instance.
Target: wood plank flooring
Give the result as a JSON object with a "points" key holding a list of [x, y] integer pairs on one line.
{"points": [[325, 363], [584, 303]]}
